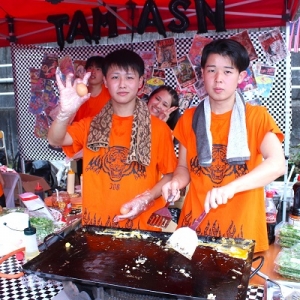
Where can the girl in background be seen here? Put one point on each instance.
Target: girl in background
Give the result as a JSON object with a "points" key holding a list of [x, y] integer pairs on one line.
{"points": [[163, 103]]}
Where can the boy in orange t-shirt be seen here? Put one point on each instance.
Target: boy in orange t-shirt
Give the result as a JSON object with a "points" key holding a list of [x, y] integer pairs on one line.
{"points": [[99, 93], [228, 152], [98, 98], [125, 149]]}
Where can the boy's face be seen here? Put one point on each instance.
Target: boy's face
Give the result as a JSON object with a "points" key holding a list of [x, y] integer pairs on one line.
{"points": [[96, 77], [122, 85], [221, 78]]}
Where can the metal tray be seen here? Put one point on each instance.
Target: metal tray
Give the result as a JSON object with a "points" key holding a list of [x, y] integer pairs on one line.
{"points": [[139, 262]]}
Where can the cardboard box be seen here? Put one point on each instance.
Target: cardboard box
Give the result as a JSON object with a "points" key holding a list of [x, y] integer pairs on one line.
{"points": [[29, 182]]}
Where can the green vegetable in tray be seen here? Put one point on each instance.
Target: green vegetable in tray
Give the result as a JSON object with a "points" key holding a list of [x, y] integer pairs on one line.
{"points": [[43, 227], [288, 235], [287, 262]]}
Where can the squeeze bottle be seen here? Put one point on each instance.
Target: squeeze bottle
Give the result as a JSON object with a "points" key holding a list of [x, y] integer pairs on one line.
{"points": [[39, 191], [30, 242]]}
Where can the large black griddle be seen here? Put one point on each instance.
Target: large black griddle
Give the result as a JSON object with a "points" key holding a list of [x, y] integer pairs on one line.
{"points": [[138, 262]]}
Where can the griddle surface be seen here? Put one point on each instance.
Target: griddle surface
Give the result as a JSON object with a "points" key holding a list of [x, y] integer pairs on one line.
{"points": [[140, 263]]}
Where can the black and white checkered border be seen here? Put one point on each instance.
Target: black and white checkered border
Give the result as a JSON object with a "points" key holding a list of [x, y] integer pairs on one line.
{"points": [[25, 57], [13, 289]]}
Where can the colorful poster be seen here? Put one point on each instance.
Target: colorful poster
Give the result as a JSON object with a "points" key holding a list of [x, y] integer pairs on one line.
{"points": [[249, 82], [149, 58], [197, 46], [160, 73], [79, 68], [36, 83], [244, 39], [273, 45], [152, 84], [41, 126], [200, 89], [264, 77], [184, 72], [186, 97], [166, 53], [66, 67], [49, 65]]}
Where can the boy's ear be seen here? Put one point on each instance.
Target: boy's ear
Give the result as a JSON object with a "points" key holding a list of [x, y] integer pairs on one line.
{"points": [[104, 81], [242, 75], [141, 81]]}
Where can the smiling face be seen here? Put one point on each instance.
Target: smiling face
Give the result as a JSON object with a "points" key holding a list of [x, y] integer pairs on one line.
{"points": [[221, 78], [159, 103], [122, 85]]}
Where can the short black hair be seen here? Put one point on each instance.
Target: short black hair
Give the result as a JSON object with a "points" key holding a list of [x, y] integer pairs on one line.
{"points": [[125, 59], [96, 61], [236, 52]]}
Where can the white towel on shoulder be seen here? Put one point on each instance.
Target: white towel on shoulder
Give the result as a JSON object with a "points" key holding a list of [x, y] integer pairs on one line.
{"points": [[237, 146]]}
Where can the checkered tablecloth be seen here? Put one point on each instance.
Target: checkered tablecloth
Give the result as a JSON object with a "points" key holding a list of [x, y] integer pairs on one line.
{"points": [[31, 288]]}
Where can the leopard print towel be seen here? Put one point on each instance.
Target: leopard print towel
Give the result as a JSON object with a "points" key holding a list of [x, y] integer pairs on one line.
{"points": [[140, 141]]}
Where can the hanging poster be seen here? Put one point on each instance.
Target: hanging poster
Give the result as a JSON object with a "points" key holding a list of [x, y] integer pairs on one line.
{"points": [[273, 45], [166, 53], [244, 39], [197, 46], [184, 72]]}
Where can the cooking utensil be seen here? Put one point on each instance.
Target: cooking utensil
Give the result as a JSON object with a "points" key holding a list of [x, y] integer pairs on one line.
{"points": [[161, 218], [184, 240]]}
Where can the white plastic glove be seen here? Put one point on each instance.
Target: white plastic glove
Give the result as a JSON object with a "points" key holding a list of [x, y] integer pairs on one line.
{"points": [[135, 207], [69, 99]]}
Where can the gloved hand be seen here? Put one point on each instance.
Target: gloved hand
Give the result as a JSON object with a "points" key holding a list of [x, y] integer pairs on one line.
{"points": [[69, 99], [132, 209]]}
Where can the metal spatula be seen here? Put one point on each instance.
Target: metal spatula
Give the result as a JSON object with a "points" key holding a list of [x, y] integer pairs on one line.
{"points": [[184, 240], [162, 217]]}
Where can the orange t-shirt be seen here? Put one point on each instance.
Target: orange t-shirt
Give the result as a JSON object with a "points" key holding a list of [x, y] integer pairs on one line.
{"points": [[108, 182], [244, 215], [93, 105]]}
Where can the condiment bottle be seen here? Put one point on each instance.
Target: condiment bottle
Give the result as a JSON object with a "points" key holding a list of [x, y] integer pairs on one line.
{"points": [[71, 182], [294, 217], [30, 242], [271, 214], [39, 191]]}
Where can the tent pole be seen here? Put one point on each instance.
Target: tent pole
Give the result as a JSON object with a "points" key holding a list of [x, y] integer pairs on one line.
{"points": [[287, 121]]}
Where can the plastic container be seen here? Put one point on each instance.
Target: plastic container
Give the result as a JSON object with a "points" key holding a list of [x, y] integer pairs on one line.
{"points": [[39, 191], [30, 242], [60, 200], [287, 235], [287, 262], [271, 215]]}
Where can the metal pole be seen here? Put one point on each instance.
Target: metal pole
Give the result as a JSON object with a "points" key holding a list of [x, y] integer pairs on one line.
{"points": [[287, 121]]}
